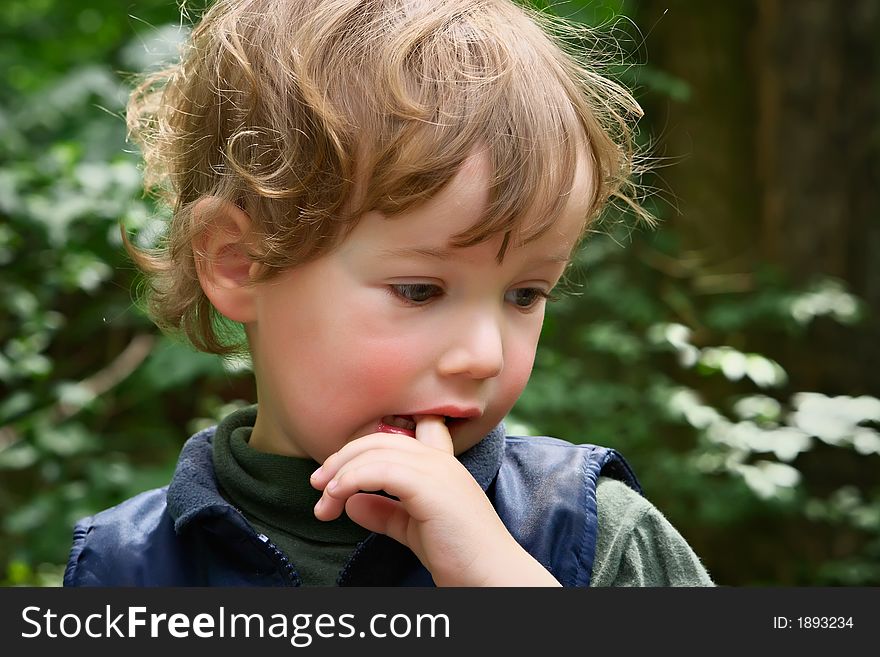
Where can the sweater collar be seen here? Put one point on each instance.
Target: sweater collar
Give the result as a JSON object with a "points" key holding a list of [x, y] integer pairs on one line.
{"points": [[273, 489]]}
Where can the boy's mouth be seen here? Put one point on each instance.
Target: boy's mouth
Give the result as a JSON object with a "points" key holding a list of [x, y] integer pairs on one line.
{"points": [[401, 424], [406, 424]]}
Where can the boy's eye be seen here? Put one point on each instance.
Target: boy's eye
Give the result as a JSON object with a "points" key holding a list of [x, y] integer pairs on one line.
{"points": [[421, 293], [526, 297], [416, 293]]}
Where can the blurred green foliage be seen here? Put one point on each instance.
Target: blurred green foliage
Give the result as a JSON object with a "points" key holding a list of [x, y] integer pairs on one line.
{"points": [[770, 483]]}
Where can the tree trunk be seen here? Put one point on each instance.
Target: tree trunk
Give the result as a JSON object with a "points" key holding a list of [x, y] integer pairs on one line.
{"points": [[819, 162], [776, 157]]}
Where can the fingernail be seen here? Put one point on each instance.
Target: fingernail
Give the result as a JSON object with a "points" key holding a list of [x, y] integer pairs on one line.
{"points": [[317, 472], [332, 485]]}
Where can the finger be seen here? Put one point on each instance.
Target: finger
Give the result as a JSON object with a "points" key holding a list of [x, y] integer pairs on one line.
{"points": [[405, 483], [350, 451], [378, 514], [328, 508], [388, 470], [431, 431]]}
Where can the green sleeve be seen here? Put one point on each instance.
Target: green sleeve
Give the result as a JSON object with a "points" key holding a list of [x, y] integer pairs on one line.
{"points": [[637, 545]]}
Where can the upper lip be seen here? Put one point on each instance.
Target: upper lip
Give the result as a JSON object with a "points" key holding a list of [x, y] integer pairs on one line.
{"points": [[451, 411]]}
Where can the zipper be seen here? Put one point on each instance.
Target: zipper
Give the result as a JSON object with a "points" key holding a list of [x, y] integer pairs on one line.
{"points": [[345, 573], [281, 560]]}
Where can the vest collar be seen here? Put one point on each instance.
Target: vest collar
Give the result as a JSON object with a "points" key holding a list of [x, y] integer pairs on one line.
{"points": [[193, 491]]}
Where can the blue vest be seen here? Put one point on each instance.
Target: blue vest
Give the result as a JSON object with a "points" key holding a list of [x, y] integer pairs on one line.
{"points": [[187, 534]]}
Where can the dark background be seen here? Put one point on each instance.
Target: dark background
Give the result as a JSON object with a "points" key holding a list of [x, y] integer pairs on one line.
{"points": [[731, 354]]}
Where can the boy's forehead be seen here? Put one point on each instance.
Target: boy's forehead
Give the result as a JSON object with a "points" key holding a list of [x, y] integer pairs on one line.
{"points": [[471, 195], [462, 203], [464, 200]]}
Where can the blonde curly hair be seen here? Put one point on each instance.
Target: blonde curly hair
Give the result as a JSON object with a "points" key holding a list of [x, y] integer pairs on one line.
{"points": [[279, 106]]}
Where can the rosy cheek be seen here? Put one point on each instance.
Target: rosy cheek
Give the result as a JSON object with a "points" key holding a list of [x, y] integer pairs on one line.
{"points": [[379, 353], [380, 366]]}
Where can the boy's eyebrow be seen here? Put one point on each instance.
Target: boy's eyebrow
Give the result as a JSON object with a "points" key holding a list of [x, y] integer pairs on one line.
{"points": [[436, 253]]}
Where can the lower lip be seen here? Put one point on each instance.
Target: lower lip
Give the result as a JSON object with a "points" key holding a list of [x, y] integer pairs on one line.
{"points": [[389, 428]]}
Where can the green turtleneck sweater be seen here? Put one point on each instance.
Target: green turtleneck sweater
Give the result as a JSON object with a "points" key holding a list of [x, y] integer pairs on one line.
{"points": [[636, 545], [274, 494]]}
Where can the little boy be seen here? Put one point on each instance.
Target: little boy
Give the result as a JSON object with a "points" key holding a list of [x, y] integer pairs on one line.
{"points": [[383, 194]]}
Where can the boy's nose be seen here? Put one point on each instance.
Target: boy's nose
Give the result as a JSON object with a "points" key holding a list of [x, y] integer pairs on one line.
{"points": [[474, 348]]}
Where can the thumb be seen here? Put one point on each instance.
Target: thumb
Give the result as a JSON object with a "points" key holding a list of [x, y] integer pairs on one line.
{"points": [[431, 431]]}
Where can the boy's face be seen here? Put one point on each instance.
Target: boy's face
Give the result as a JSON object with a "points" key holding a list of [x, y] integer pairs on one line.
{"points": [[383, 327]]}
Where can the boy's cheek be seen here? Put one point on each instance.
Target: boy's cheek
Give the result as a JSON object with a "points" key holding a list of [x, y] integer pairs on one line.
{"points": [[516, 379], [371, 370], [382, 369]]}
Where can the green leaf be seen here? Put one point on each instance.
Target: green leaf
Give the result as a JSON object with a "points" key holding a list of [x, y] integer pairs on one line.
{"points": [[173, 364]]}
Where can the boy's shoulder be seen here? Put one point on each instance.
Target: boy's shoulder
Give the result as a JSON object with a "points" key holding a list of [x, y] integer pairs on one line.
{"points": [[553, 457], [620, 504], [144, 511], [546, 495], [109, 543], [137, 542], [638, 546]]}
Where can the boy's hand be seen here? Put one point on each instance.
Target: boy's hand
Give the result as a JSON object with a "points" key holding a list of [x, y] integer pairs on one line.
{"points": [[441, 513]]}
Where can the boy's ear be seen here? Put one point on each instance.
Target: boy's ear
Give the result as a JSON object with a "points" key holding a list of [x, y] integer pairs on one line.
{"points": [[224, 266]]}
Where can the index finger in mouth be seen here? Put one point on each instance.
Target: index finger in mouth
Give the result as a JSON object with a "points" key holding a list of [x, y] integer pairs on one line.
{"points": [[431, 431]]}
